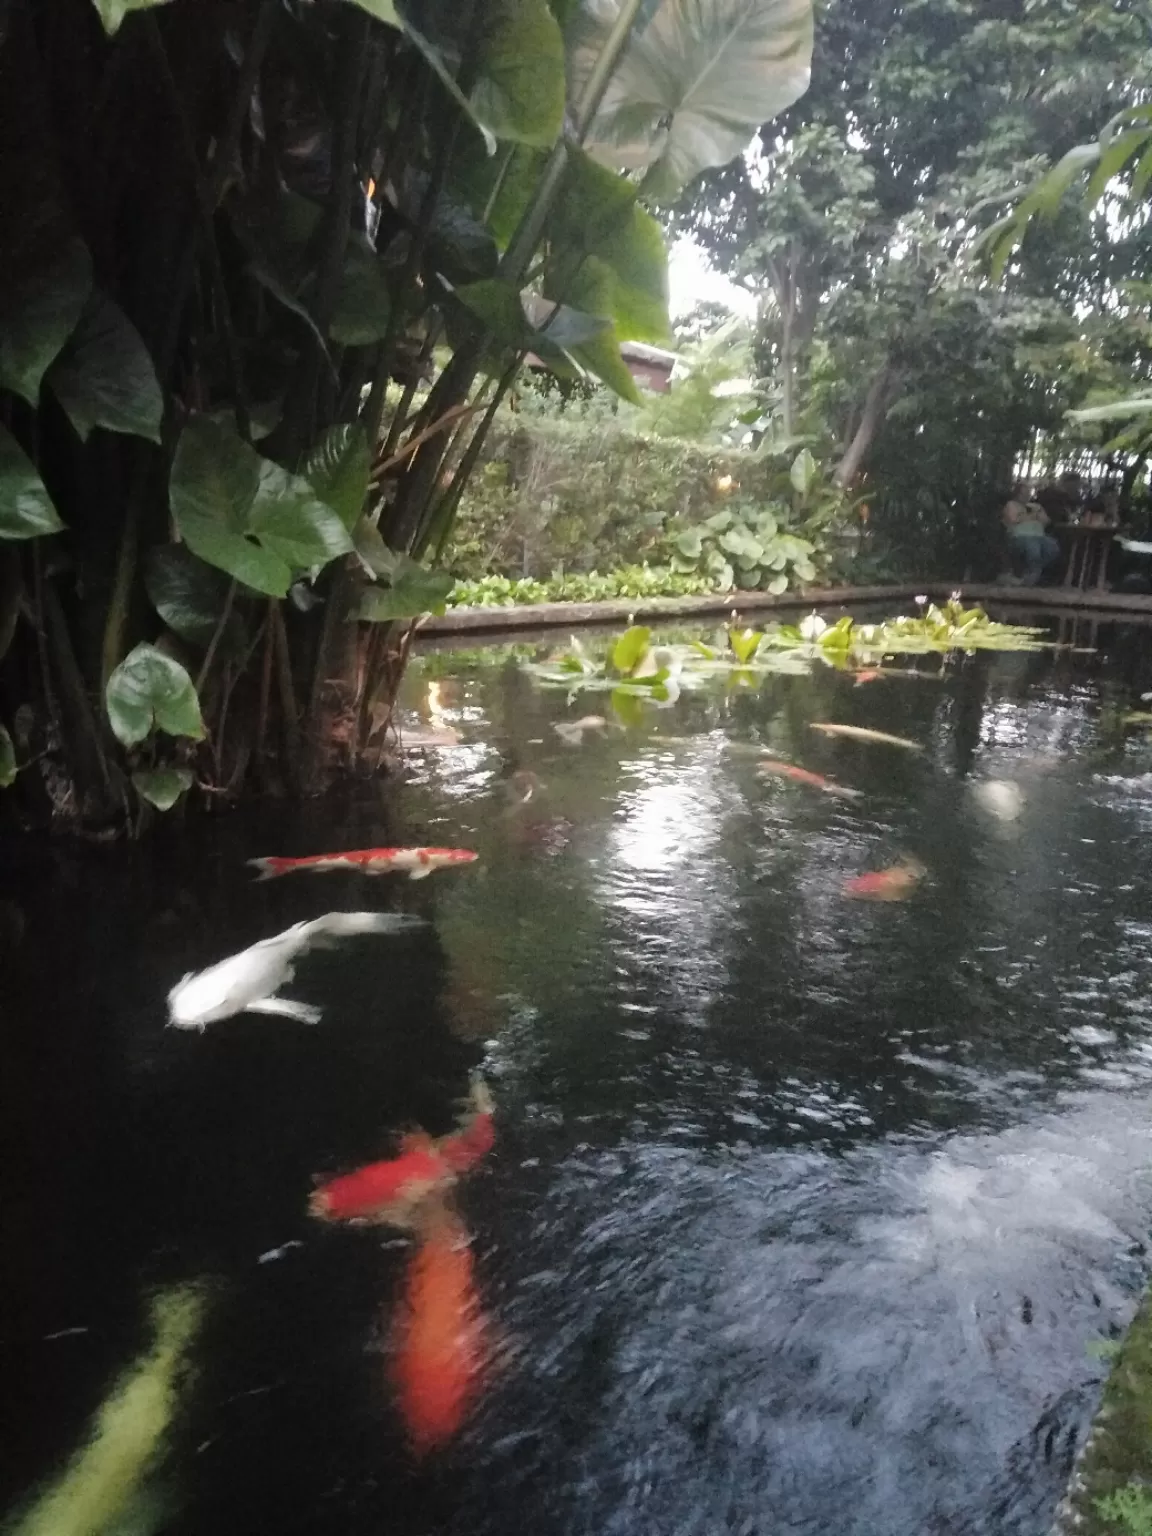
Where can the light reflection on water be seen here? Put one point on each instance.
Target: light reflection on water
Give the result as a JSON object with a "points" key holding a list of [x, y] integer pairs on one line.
{"points": [[804, 1211]]}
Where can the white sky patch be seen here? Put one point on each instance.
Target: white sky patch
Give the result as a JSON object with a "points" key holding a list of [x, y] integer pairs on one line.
{"points": [[692, 279]]}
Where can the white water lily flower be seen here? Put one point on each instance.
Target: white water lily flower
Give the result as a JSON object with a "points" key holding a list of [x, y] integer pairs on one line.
{"points": [[922, 601], [813, 626]]}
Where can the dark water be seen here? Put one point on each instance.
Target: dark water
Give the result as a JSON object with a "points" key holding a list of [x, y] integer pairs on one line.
{"points": [[806, 1215]]}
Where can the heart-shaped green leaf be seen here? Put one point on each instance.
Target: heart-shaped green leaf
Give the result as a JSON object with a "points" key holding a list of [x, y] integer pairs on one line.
{"points": [[113, 12], [104, 377], [150, 689], [190, 596], [162, 787], [37, 318], [7, 759], [291, 522], [26, 509], [338, 468], [414, 590]]}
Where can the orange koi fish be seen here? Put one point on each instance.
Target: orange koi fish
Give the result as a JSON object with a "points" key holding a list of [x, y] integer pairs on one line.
{"points": [[438, 1337], [894, 884], [390, 1191], [868, 675], [783, 770], [416, 862]]}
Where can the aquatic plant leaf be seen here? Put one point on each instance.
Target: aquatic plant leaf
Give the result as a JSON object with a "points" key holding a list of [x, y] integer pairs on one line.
{"points": [[26, 509], [104, 376], [338, 469], [631, 648], [744, 643], [7, 759], [38, 317], [162, 787], [113, 12], [414, 590], [627, 706], [190, 596], [777, 585], [690, 544], [151, 689]]}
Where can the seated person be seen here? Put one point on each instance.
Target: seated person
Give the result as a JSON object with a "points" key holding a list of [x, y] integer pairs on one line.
{"points": [[1103, 511], [1064, 500], [1025, 523]]}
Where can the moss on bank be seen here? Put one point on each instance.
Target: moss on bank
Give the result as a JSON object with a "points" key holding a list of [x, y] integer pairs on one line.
{"points": [[1111, 1492]]}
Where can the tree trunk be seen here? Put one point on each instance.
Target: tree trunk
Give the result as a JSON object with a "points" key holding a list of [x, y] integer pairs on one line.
{"points": [[876, 404]]}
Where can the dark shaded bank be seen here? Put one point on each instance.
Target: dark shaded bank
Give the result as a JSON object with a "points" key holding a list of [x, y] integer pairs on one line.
{"points": [[1111, 1488]]}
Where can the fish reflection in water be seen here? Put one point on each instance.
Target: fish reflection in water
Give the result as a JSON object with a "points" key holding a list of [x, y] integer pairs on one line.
{"points": [[247, 982], [105, 1488], [895, 883], [1001, 798]]}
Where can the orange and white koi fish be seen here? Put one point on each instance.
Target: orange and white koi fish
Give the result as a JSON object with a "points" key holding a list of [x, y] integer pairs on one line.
{"points": [[782, 770], [417, 863], [865, 733], [390, 1191], [439, 1348], [894, 884], [869, 675]]}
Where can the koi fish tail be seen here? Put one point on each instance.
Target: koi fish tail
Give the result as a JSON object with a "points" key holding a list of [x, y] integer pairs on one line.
{"points": [[269, 868]]}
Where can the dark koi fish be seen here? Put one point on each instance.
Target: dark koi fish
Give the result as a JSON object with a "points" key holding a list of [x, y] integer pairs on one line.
{"points": [[779, 769], [438, 1338], [417, 863]]}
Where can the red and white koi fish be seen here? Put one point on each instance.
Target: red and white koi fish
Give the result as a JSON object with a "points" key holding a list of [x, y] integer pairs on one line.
{"points": [[394, 1190], [894, 884], [439, 1348], [475, 1136], [390, 1191], [417, 863], [782, 770], [869, 675]]}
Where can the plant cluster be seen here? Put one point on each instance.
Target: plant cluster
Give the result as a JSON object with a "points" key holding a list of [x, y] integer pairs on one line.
{"points": [[631, 581], [270, 272]]}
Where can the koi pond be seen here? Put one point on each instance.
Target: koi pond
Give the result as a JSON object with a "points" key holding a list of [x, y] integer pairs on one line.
{"points": [[821, 1072]]}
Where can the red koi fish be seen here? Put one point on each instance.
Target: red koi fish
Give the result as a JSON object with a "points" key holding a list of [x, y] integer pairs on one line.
{"points": [[894, 884], [390, 1191], [869, 675], [417, 863], [779, 769], [475, 1137], [438, 1338]]}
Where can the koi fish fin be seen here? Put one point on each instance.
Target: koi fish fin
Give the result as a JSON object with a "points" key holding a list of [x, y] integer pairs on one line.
{"points": [[284, 1007], [421, 872], [269, 869]]}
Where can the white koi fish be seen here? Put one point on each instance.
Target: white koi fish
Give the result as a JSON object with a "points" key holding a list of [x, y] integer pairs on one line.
{"points": [[865, 733], [572, 731], [248, 982]]}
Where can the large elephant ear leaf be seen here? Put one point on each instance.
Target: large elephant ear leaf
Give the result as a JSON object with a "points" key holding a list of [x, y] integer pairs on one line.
{"points": [[520, 92], [338, 470], [212, 489], [38, 316], [694, 84], [26, 509], [7, 759], [149, 689], [113, 12], [413, 589], [104, 377]]}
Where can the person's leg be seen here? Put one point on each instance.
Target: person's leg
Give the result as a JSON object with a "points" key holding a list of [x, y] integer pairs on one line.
{"points": [[1032, 553], [1051, 551]]}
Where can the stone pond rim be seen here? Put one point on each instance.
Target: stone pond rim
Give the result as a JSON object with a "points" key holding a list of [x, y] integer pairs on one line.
{"points": [[750, 604]]}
